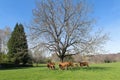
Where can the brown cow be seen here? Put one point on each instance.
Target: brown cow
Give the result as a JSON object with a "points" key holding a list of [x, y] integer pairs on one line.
{"points": [[84, 64], [76, 65], [64, 65], [51, 65]]}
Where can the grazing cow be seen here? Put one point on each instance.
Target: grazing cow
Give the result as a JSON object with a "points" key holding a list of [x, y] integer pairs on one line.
{"points": [[84, 64], [76, 65], [51, 65], [64, 65]]}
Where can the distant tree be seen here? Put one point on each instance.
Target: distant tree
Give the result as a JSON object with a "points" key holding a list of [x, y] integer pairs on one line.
{"points": [[6, 36], [17, 45], [38, 54], [65, 28], [1, 39]]}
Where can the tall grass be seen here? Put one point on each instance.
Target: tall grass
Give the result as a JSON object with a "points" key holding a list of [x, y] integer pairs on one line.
{"points": [[108, 71]]}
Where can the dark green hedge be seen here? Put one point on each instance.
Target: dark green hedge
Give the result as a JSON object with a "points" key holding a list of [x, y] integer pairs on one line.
{"points": [[11, 65]]}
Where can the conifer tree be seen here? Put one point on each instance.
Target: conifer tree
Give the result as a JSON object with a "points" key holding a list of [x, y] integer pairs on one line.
{"points": [[18, 47]]}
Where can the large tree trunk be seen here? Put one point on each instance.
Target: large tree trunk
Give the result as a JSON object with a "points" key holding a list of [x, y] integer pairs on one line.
{"points": [[62, 58]]}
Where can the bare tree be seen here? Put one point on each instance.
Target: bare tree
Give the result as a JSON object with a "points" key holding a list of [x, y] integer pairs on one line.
{"points": [[65, 27], [1, 35], [7, 34], [37, 53], [4, 37]]}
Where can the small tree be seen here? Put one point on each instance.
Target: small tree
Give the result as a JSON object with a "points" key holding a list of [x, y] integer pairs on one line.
{"points": [[38, 55], [3, 58], [7, 34], [17, 45]]}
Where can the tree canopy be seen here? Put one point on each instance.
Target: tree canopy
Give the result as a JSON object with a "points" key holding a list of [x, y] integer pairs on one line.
{"points": [[65, 28]]}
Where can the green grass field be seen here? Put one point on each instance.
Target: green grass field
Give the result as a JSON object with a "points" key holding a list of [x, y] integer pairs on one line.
{"points": [[108, 71]]}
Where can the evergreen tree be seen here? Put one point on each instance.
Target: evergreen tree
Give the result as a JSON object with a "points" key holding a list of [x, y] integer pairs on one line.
{"points": [[17, 45]]}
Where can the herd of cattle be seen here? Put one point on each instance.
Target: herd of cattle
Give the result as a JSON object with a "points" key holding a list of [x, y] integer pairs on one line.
{"points": [[66, 65]]}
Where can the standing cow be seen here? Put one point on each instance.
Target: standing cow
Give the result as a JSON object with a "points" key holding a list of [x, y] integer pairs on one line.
{"points": [[84, 64], [65, 65], [51, 65]]}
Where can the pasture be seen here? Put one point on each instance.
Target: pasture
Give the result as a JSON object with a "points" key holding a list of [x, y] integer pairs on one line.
{"points": [[106, 71]]}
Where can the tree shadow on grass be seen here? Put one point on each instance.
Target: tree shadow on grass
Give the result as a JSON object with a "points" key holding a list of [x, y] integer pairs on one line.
{"points": [[91, 68], [13, 66], [22, 67]]}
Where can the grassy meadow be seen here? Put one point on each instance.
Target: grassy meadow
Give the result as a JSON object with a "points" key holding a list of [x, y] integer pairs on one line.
{"points": [[106, 71]]}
